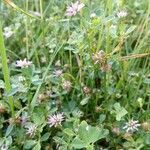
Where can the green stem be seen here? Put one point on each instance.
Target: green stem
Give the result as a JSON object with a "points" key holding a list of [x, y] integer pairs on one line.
{"points": [[10, 3], [41, 9], [6, 70], [26, 27]]}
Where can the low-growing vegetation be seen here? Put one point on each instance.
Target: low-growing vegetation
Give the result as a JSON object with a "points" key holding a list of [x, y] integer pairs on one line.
{"points": [[74, 75]]}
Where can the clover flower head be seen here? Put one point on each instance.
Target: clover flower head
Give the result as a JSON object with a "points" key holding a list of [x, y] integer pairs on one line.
{"points": [[23, 63], [58, 73], [66, 85], [8, 32], [146, 126], [93, 15], [106, 67], [131, 126], [98, 57], [122, 14], [74, 8], [116, 130], [55, 120], [31, 130], [86, 90]]}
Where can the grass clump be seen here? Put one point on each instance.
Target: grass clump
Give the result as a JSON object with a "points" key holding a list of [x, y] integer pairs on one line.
{"points": [[78, 75]]}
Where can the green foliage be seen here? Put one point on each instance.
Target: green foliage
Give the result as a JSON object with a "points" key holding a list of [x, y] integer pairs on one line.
{"points": [[83, 80], [88, 135], [119, 111]]}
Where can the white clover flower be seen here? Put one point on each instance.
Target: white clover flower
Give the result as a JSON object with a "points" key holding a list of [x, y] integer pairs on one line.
{"points": [[131, 126], [58, 73], [23, 63], [55, 120], [93, 15], [8, 32], [74, 8], [66, 85], [31, 130], [122, 14]]}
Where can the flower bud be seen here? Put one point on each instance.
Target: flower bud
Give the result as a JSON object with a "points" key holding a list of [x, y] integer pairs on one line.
{"points": [[116, 130], [86, 90], [146, 126], [127, 136], [2, 109]]}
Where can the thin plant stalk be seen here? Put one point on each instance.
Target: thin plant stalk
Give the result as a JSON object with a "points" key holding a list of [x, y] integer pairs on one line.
{"points": [[6, 70], [41, 9], [26, 27], [15, 7]]}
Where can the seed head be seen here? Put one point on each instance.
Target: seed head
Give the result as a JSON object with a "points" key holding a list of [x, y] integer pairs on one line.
{"points": [[105, 67], [99, 57]]}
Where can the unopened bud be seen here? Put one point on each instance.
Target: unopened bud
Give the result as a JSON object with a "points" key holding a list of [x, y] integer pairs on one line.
{"points": [[86, 90], [146, 126], [127, 136], [2, 109], [116, 130]]}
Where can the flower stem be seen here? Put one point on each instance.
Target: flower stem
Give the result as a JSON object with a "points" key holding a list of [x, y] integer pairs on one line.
{"points": [[41, 9], [5, 70]]}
